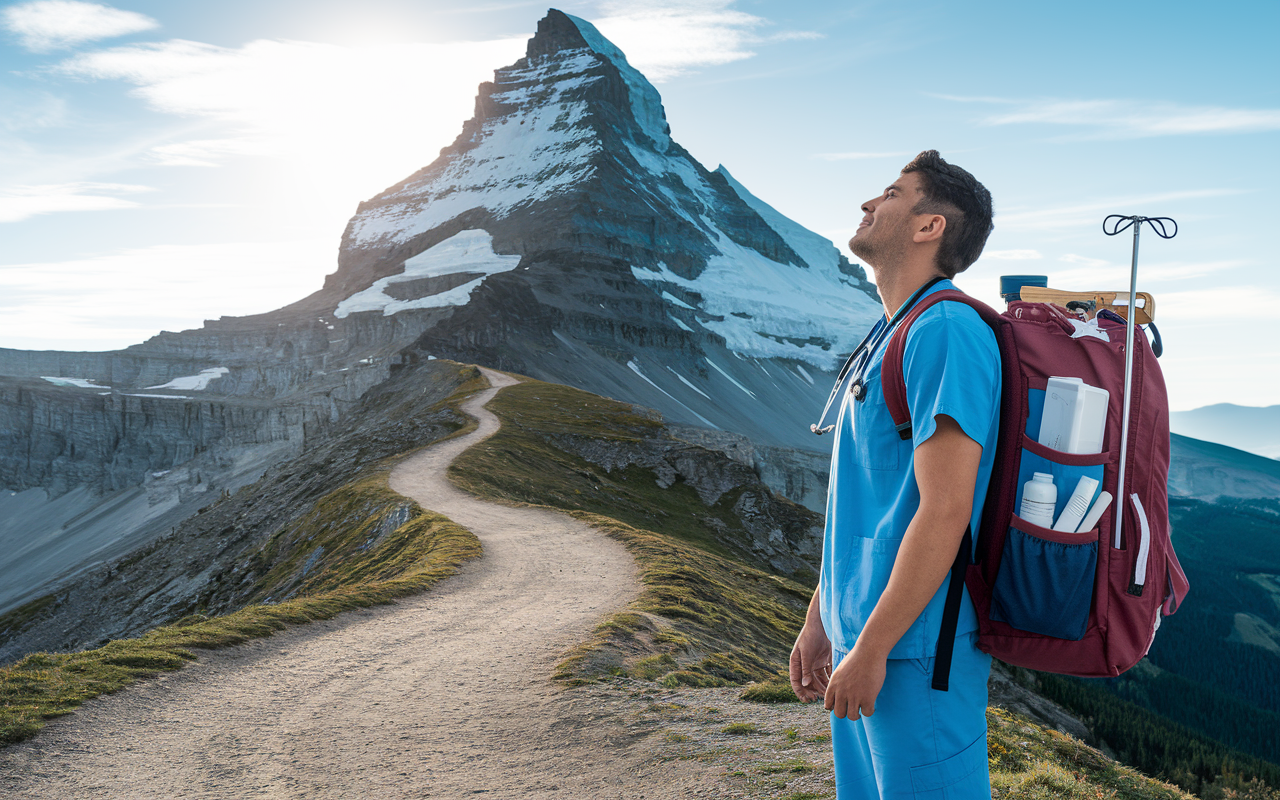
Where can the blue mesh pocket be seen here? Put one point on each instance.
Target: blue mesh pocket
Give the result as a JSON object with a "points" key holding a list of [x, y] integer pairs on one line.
{"points": [[1045, 582]]}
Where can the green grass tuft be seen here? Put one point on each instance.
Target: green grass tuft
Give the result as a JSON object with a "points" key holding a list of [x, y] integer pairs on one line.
{"points": [[794, 765], [771, 691]]}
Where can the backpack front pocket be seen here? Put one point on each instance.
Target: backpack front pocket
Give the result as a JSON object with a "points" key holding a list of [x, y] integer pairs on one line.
{"points": [[1066, 468], [1045, 581]]}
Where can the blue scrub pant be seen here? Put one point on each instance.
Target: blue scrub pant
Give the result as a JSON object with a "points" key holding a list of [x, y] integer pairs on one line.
{"points": [[920, 743]]}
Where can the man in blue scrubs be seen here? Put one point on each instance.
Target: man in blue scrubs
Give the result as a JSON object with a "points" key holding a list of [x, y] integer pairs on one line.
{"points": [[898, 510]]}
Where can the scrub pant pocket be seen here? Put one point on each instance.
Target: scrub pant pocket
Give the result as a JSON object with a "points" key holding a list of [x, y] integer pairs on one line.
{"points": [[920, 743], [967, 774]]}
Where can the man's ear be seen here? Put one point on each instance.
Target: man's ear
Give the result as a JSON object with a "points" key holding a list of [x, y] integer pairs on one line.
{"points": [[931, 229]]}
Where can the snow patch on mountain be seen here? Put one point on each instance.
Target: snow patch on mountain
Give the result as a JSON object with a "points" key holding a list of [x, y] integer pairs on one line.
{"points": [[765, 309], [811, 312], [676, 301], [634, 367], [538, 150], [79, 383], [194, 383], [679, 323], [646, 104], [470, 252], [685, 381], [717, 368], [658, 164]]}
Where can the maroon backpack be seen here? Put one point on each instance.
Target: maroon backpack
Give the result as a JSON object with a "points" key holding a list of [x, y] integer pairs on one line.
{"points": [[1070, 603]]}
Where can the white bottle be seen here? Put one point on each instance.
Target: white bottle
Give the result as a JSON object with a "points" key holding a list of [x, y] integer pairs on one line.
{"points": [[1074, 511], [1039, 496]]}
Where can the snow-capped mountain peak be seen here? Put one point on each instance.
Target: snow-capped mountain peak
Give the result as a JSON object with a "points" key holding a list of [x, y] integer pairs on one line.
{"points": [[595, 237], [646, 103]]}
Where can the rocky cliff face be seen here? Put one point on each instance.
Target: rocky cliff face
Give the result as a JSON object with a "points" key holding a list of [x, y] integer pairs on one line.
{"points": [[100, 453]]}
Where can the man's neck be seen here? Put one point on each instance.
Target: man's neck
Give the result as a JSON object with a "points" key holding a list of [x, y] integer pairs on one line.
{"points": [[897, 286]]}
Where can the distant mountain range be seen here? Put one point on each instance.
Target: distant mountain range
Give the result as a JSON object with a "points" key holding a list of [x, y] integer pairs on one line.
{"points": [[1251, 428], [1207, 471]]}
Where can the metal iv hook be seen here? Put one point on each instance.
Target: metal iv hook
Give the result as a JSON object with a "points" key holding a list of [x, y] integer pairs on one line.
{"points": [[1157, 224]]}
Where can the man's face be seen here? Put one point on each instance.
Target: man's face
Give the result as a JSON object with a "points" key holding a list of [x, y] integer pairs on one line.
{"points": [[888, 221]]}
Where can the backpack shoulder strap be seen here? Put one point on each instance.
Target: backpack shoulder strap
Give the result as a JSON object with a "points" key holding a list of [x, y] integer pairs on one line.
{"points": [[894, 384], [892, 378]]}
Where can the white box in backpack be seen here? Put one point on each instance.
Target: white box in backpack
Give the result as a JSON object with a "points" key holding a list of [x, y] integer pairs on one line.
{"points": [[1075, 416]]}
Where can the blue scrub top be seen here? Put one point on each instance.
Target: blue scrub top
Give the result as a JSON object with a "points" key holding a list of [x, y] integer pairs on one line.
{"points": [[952, 367]]}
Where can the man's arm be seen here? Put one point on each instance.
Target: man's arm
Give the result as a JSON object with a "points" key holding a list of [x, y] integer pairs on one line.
{"points": [[811, 656], [946, 471]]}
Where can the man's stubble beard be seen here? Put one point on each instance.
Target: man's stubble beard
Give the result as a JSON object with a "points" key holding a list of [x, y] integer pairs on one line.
{"points": [[864, 248], [877, 250]]}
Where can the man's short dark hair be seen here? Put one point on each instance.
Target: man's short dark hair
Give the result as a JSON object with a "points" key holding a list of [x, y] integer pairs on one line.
{"points": [[955, 194]]}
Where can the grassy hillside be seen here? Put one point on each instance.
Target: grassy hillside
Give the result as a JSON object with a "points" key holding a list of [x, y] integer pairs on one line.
{"points": [[361, 545], [712, 612], [709, 615], [1031, 762]]}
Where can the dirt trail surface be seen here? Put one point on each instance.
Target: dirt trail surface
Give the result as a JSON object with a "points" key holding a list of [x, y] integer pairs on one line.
{"points": [[442, 695]]}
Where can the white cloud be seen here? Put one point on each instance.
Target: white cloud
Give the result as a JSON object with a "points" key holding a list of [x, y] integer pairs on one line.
{"points": [[1129, 119], [115, 300], [23, 202], [859, 156], [1013, 255], [1087, 261], [203, 152], [1092, 213], [1220, 304], [1181, 270], [364, 117], [55, 24], [1089, 273], [667, 38], [1086, 273]]}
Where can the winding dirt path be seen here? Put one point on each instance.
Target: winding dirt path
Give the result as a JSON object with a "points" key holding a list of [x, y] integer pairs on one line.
{"points": [[442, 695]]}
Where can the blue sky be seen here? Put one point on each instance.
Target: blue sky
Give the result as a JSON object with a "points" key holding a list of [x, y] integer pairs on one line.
{"points": [[166, 162]]}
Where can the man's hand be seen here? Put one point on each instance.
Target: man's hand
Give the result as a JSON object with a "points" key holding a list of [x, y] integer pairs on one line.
{"points": [[810, 663], [855, 685]]}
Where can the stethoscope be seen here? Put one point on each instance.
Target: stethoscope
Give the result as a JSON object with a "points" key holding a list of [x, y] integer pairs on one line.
{"points": [[862, 356]]}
